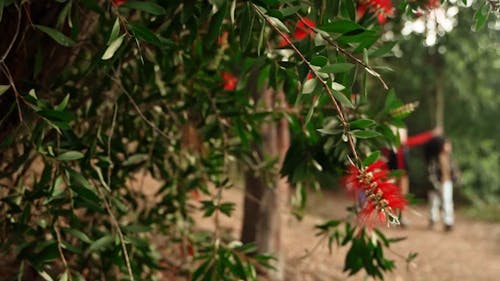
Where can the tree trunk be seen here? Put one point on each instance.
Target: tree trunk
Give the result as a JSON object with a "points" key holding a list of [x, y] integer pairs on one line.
{"points": [[265, 201]]}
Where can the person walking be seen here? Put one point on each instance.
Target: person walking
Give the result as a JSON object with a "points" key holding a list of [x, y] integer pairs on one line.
{"points": [[441, 175], [397, 158]]}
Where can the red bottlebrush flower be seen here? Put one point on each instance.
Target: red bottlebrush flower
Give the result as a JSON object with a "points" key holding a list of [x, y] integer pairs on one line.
{"points": [[381, 19], [382, 8], [304, 28], [283, 42], [432, 4], [381, 196], [230, 81], [186, 250], [118, 3], [196, 195], [360, 10], [223, 38]]}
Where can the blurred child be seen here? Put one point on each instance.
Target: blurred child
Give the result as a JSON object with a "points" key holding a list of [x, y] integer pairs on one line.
{"points": [[397, 158], [441, 174]]}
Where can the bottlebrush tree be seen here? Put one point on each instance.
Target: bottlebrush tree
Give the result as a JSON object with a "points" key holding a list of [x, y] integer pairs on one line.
{"points": [[95, 93]]}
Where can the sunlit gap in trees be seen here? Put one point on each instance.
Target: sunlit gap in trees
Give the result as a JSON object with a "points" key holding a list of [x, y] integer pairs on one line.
{"points": [[434, 23]]}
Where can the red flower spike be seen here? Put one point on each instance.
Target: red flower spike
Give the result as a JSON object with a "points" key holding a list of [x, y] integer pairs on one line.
{"points": [[118, 3], [283, 43], [432, 4], [303, 28], [382, 196], [223, 38], [230, 81], [381, 19], [382, 8], [196, 195]]}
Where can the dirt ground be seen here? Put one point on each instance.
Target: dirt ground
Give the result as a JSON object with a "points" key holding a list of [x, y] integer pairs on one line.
{"points": [[471, 252]]}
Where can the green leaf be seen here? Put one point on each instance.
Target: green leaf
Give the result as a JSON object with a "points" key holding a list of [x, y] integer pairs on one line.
{"points": [[137, 228], [82, 187], [148, 7], [371, 158], [63, 104], [70, 155], [366, 38], [93, 5], [57, 116], [382, 50], [279, 24], [78, 234], [246, 27], [101, 243], [45, 275], [411, 257], [110, 51], [329, 131], [56, 35], [337, 87], [215, 25], [342, 99], [365, 134], [144, 34], [49, 253], [3, 88], [481, 15], [361, 123], [391, 101], [329, 224], [309, 114], [2, 4], [288, 11], [337, 68], [348, 8], [309, 86], [119, 204], [319, 61], [114, 31], [227, 208], [341, 26], [135, 159], [64, 276]]}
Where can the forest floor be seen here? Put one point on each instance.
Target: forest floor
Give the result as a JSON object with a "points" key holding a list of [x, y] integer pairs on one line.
{"points": [[471, 252]]}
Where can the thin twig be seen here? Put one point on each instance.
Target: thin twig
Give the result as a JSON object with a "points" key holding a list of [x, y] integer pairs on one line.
{"points": [[114, 221], [111, 131], [138, 109], [116, 224], [358, 61], [328, 39], [59, 248], [314, 248], [11, 44], [5, 68], [328, 90], [6, 71], [122, 238]]}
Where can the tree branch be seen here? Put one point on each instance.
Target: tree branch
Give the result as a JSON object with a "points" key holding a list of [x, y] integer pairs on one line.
{"points": [[328, 90]]}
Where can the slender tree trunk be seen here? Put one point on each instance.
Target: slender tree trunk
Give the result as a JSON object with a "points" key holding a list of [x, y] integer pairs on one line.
{"points": [[265, 201], [439, 100]]}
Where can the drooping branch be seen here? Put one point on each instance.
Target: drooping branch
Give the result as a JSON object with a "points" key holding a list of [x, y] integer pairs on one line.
{"points": [[324, 84]]}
